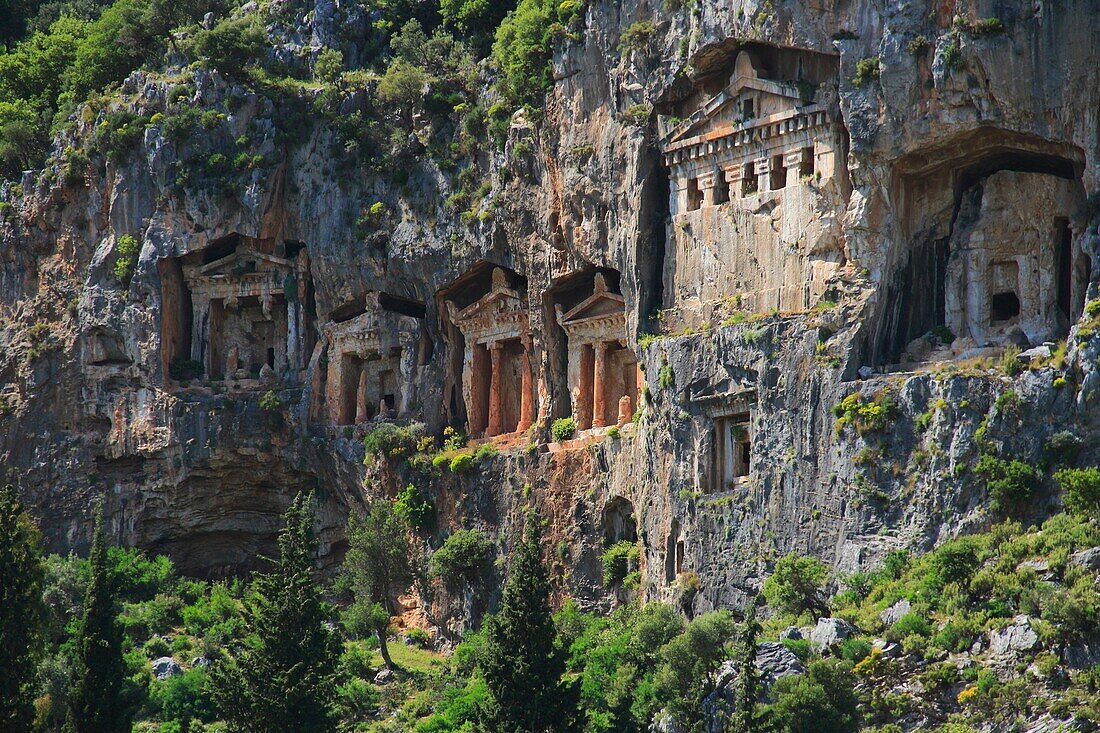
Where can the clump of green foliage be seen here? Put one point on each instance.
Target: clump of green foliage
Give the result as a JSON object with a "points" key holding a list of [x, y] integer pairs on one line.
{"points": [[462, 556], [867, 70], [127, 250], [523, 44], [270, 401], [414, 508], [392, 441], [1010, 483], [866, 415], [637, 36], [795, 585], [619, 561], [1080, 490], [563, 428]]}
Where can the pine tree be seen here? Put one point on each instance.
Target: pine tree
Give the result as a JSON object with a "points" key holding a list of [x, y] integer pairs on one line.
{"points": [[746, 716], [521, 663], [22, 613], [98, 702], [379, 564], [285, 678]]}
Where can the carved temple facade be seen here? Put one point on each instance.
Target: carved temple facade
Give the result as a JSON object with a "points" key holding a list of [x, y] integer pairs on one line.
{"points": [[498, 384], [366, 366], [238, 309], [756, 182], [603, 372]]}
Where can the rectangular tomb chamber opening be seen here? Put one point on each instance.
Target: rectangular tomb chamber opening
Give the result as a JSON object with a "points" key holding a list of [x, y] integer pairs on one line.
{"points": [[806, 163], [694, 195], [749, 185], [732, 451], [175, 321], [1004, 288], [721, 188], [777, 173]]}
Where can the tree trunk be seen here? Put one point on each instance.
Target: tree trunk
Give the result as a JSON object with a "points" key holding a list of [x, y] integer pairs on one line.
{"points": [[383, 649]]}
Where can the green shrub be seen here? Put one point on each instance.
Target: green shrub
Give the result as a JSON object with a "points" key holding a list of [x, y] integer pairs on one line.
{"points": [[414, 508], [270, 401], [563, 428], [1010, 483], [854, 650], [953, 562], [1080, 490], [462, 556], [127, 250], [910, 624], [156, 647], [799, 647], [619, 560], [184, 698], [867, 415], [1063, 446], [665, 376], [392, 441], [867, 70], [795, 585], [485, 452], [637, 35], [919, 46], [461, 462], [823, 700], [940, 676]]}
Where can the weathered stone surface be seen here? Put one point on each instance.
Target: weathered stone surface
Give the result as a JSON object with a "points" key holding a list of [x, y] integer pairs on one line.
{"points": [[829, 632], [1013, 639], [165, 667], [890, 616]]}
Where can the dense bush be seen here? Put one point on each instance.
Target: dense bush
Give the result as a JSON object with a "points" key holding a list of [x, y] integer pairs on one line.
{"points": [[522, 48], [795, 585], [414, 508], [392, 441], [462, 556], [1010, 484], [127, 250], [1080, 490], [619, 560], [563, 428], [821, 701]]}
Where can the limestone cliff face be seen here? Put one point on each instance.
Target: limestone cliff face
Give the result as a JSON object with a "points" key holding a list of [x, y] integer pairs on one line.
{"points": [[951, 189]]}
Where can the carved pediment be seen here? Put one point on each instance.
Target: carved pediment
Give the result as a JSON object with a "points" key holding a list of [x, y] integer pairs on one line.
{"points": [[726, 113], [245, 262], [600, 304]]}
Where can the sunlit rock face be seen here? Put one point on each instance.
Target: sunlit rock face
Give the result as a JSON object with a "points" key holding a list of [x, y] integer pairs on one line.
{"points": [[697, 251]]}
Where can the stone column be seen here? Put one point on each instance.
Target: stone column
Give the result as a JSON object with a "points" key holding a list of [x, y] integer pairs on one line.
{"points": [[495, 427], [361, 397], [599, 385], [199, 320], [583, 404], [526, 401], [762, 169], [292, 364], [707, 183]]}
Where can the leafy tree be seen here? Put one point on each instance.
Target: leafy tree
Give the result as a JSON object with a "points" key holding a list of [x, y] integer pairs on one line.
{"points": [[379, 564], [821, 701], [1010, 483], [233, 46], [285, 677], [520, 661], [99, 701], [462, 556], [476, 19], [689, 666], [523, 46], [22, 613], [1080, 490], [795, 585]]}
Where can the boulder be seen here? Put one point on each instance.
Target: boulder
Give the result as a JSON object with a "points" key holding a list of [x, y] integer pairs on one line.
{"points": [[1089, 558], [791, 632], [384, 677], [829, 632], [1014, 639], [201, 661], [774, 660], [1039, 352], [890, 616], [166, 667]]}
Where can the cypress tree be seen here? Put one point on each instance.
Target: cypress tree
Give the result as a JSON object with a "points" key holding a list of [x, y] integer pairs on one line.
{"points": [[746, 717], [285, 678], [98, 701], [521, 662], [22, 613]]}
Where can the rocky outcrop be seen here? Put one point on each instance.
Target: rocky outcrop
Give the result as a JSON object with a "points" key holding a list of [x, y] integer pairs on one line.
{"points": [[858, 418]]}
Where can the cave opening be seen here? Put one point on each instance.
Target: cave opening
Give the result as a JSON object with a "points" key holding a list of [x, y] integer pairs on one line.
{"points": [[959, 273]]}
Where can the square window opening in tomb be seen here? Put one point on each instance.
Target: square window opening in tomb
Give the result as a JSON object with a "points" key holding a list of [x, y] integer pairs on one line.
{"points": [[1004, 307], [732, 451]]}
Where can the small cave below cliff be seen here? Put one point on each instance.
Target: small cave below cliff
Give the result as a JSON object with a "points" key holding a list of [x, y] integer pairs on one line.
{"points": [[989, 233], [224, 517]]}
